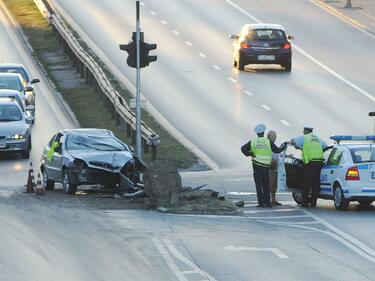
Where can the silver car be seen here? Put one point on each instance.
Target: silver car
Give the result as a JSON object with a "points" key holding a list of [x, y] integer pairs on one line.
{"points": [[15, 133], [17, 96], [86, 156], [21, 69]]}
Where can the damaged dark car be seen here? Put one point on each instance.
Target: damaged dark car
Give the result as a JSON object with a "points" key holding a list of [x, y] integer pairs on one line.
{"points": [[86, 157]]}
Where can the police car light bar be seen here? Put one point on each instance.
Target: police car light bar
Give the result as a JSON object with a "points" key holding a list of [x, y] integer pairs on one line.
{"points": [[353, 138]]}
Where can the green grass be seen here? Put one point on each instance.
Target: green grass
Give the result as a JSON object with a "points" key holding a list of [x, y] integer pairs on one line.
{"points": [[88, 105]]}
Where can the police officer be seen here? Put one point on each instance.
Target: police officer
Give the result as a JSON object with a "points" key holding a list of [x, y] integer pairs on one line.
{"points": [[312, 155], [260, 149]]}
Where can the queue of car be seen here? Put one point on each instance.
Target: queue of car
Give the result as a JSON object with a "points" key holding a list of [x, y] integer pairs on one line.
{"points": [[17, 109]]}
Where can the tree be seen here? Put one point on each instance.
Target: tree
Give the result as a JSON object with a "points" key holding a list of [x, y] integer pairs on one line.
{"points": [[348, 4]]}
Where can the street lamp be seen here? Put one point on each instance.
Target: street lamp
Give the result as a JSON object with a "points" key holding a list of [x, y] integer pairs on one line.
{"points": [[348, 4]]}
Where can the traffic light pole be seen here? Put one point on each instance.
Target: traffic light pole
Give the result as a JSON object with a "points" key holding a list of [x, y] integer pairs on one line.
{"points": [[138, 140]]}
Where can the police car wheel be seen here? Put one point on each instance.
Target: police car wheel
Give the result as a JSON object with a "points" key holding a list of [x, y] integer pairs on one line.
{"points": [[297, 196], [68, 187], [339, 200], [365, 203]]}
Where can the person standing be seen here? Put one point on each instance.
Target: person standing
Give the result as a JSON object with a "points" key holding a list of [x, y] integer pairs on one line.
{"points": [[312, 155], [271, 135], [260, 149]]}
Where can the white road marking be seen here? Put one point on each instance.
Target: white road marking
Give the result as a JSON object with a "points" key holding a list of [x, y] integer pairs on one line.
{"points": [[202, 55], [153, 13], [164, 22], [232, 80], [326, 68], [269, 211], [275, 251], [186, 261], [168, 259], [284, 122], [266, 107], [188, 43], [343, 234], [176, 32], [279, 217], [216, 67], [248, 93]]}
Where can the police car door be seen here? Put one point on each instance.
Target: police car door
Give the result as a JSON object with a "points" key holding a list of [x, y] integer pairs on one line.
{"points": [[330, 170]]}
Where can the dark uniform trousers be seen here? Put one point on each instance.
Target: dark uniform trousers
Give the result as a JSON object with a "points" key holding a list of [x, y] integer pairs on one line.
{"points": [[261, 178], [311, 181]]}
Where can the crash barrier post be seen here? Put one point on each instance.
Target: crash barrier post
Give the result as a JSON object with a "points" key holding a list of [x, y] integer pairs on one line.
{"points": [[39, 190], [90, 70], [30, 180]]}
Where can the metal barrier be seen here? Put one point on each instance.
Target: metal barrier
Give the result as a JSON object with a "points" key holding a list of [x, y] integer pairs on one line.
{"points": [[95, 77]]}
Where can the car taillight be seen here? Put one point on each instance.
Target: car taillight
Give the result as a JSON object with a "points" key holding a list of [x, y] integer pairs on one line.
{"points": [[352, 174], [287, 46], [244, 45]]}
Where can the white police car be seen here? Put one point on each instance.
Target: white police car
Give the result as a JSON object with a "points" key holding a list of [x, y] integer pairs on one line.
{"points": [[348, 173]]}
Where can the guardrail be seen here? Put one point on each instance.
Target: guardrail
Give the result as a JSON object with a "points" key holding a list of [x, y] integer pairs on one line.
{"points": [[95, 77]]}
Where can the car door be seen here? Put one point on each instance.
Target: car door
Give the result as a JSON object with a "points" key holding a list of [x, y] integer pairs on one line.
{"points": [[56, 160], [330, 171]]}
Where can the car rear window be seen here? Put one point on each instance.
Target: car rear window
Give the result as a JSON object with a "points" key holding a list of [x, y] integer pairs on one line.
{"points": [[265, 34], [363, 154]]}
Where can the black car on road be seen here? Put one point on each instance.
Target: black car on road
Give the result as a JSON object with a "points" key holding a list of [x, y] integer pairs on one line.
{"points": [[262, 44]]}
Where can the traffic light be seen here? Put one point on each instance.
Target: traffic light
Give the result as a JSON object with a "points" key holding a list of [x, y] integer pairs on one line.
{"points": [[131, 48], [145, 48]]}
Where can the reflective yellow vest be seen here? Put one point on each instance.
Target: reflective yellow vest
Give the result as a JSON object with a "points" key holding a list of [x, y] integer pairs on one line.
{"points": [[261, 149], [312, 148], [52, 150]]}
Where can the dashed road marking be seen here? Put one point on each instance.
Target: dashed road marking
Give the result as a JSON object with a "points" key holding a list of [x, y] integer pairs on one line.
{"points": [[153, 13], [176, 32], [285, 122], [269, 211], [250, 94], [164, 22], [275, 251], [232, 80], [216, 67], [202, 55], [266, 107], [188, 43]]}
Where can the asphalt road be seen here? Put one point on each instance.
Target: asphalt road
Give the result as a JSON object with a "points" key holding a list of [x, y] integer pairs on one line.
{"points": [[331, 85], [59, 237]]}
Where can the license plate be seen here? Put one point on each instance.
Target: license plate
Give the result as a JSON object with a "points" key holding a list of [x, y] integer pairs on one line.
{"points": [[266, 57], [3, 145]]}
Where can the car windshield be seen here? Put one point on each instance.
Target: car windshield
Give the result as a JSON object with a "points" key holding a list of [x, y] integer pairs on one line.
{"points": [[87, 142], [15, 70], [10, 112], [12, 83], [265, 34], [363, 154]]}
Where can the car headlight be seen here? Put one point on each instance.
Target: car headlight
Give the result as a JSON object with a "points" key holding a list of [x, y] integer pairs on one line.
{"points": [[16, 137]]}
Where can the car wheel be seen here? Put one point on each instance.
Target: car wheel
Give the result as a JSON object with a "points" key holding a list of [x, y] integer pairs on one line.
{"points": [[365, 203], [68, 187], [234, 63], [288, 66], [47, 184], [26, 153], [240, 64], [297, 196], [339, 200]]}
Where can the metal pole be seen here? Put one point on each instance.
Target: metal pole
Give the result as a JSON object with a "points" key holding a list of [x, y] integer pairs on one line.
{"points": [[138, 139]]}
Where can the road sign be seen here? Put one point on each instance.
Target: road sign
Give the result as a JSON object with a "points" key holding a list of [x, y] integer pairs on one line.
{"points": [[133, 103]]}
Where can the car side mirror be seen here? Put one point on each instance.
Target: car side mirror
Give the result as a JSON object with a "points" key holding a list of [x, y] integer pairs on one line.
{"points": [[232, 36], [29, 118], [290, 37], [35, 81], [29, 89]]}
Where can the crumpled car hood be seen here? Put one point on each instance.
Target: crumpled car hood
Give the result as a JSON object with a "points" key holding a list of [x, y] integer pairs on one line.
{"points": [[106, 160]]}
